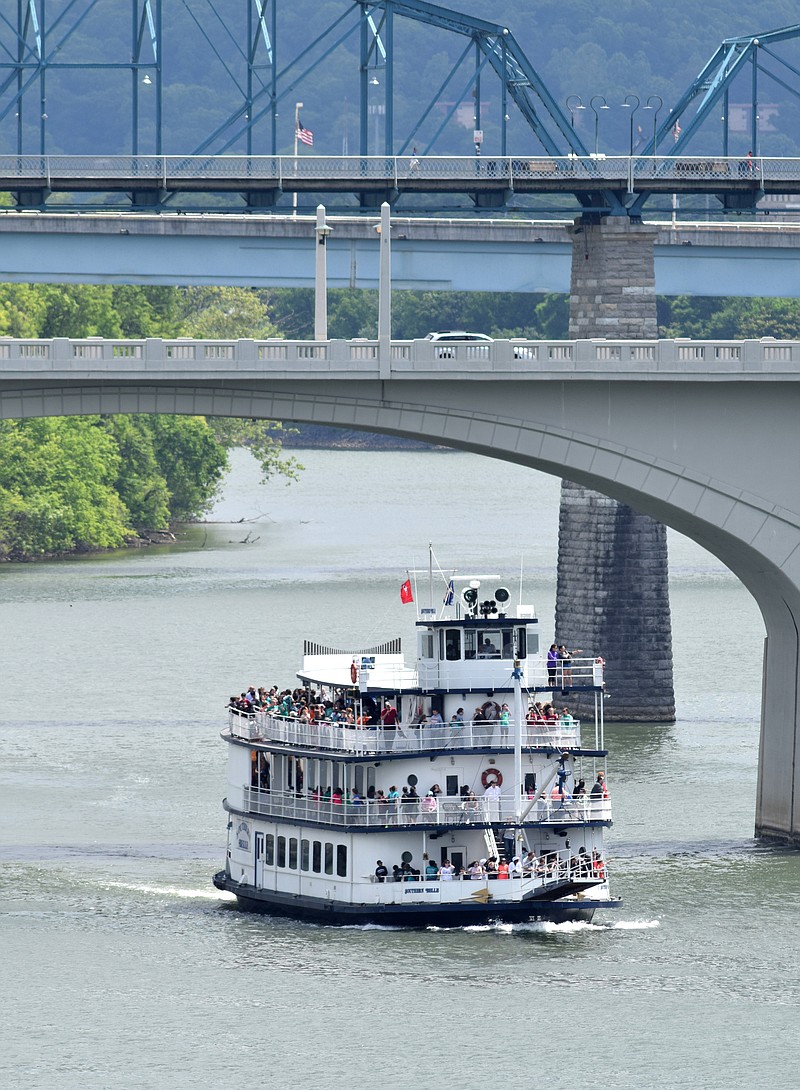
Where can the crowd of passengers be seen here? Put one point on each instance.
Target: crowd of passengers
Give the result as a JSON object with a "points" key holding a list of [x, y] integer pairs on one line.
{"points": [[550, 865], [405, 805], [306, 706]]}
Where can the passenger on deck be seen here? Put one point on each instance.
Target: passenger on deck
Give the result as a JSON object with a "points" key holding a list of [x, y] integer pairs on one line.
{"points": [[505, 723], [429, 806], [381, 871], [389, 717], [599, 790], [552, 665], [431, 871], [530, 863], [514, 868], [448, 871]]}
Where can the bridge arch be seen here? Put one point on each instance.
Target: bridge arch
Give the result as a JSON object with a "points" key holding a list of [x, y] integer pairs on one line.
{"points": [[676, 450]]}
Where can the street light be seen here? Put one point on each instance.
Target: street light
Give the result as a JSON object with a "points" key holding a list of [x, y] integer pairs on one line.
{"points": [[628, 105], [649, 106], [574, 102], [594, 109]]}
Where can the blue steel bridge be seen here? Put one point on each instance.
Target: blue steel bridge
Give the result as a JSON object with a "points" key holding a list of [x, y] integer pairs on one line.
{"points": [[525, 143]]}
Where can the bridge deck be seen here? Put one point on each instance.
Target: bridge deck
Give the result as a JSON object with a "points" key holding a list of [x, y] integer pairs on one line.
{"points": [[170, 174]]}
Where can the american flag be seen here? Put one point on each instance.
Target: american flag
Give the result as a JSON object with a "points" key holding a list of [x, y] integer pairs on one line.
{"points": [[306, 135]]}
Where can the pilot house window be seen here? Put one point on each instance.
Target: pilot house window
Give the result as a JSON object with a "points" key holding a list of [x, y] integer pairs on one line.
{"points": [[451, 644]]}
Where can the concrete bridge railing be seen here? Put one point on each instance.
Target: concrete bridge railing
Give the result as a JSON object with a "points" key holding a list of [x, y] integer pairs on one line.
{"points": [[609, 360]]}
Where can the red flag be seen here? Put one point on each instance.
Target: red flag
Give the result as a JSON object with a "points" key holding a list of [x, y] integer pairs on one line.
{"points": [[405, 592]]}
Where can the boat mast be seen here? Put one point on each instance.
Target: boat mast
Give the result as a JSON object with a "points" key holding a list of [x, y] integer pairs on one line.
{"points": [[430, 574], [518, 719]]}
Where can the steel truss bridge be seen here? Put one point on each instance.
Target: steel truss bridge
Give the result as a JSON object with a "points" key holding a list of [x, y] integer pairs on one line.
{"points": [[259, 181], [43, 54]]}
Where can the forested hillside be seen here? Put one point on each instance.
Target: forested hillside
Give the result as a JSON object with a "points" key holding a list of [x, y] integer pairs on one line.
{"points": [[583, 47]]}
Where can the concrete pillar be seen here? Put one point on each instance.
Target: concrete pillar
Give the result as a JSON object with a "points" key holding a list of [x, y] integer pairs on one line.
{"points": [[612, 597], [778, 797]]}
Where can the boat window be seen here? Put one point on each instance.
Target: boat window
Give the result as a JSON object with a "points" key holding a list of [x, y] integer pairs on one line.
{"points": [[328, 857], [451, 644], [506, 643], [304, 846], [316, 857], [487, 645], [469, 643], [358, 779], [426, 645], [522, 643], [269, 850], [341, 860], [293, 853], [451, 784], [530, 784], [281, 851]]}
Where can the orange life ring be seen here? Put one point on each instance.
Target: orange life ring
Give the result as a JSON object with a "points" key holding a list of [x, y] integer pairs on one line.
{"points": [[492, 776], [353, 673]]}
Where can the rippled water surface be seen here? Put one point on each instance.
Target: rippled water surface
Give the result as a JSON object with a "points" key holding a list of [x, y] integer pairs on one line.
{"points": [[123, 967]]}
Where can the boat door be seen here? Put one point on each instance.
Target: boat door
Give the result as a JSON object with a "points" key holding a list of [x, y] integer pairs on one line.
{"points": [[457, 854], [259, 867]]}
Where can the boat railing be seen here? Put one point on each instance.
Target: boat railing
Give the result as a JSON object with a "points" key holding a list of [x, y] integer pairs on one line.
{"points": [[401, 738], [555, 867], [446, 811]]}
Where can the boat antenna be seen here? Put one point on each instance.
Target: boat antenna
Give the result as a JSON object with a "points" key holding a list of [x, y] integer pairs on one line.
{"points": [[521, 564]]}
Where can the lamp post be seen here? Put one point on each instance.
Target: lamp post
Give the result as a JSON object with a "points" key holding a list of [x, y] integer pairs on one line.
{"points": [[322, 230], [628, 104], [604, 106], [574, 102], [649, 106]]}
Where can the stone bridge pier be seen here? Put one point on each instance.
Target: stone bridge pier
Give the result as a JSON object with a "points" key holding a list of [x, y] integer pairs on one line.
{"points": [[612, 596]]}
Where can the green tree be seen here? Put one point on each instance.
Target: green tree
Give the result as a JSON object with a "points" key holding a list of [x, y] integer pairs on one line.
{"points": [[57, 488], [224, 313], [191, 460], [140, 484]]}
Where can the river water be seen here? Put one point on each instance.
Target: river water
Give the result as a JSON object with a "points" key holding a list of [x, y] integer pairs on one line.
{"points": [[123, 967]]}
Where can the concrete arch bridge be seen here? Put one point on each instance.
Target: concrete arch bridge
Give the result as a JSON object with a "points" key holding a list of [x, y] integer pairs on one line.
{"points": [[702, 436]]}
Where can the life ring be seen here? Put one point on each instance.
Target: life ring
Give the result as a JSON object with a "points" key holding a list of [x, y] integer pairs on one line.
{"points": [[492, 777], [353, 673]]}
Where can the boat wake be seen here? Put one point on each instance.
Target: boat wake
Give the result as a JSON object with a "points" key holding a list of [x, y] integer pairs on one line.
{"points": [[173, 891], [548, 927]]}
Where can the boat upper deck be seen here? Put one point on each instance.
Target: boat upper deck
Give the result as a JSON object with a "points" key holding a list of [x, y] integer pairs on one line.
{"points": [[261, 726]]}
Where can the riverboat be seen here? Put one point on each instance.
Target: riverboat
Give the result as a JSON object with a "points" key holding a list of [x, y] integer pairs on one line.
{"points": [[432, 794]]}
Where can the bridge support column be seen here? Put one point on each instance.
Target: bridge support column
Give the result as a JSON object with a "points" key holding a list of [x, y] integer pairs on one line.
{"points": [[778, 798], [612, 597]]}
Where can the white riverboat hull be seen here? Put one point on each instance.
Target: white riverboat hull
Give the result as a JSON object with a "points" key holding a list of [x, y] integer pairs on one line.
{"points": [[425, 909]]}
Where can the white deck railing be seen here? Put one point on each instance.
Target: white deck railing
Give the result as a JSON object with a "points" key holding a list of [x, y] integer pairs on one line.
{"points": [[448, 811], [262, 727]]}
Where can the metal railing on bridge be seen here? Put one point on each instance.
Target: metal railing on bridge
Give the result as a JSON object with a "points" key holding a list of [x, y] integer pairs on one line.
{"points": [[522, 173]]}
